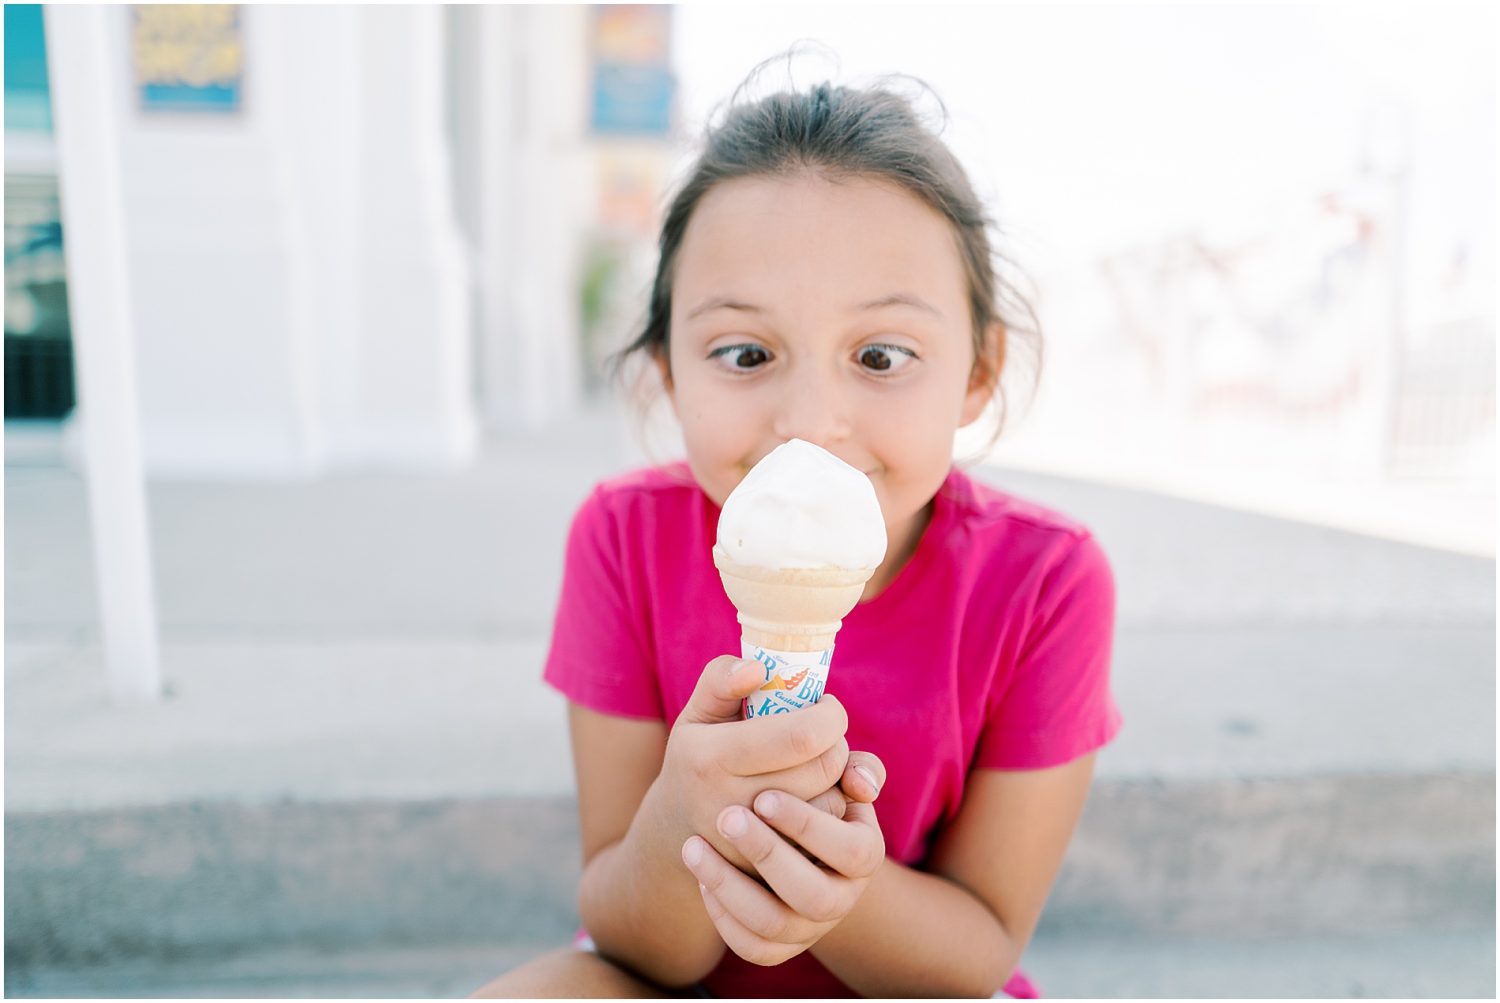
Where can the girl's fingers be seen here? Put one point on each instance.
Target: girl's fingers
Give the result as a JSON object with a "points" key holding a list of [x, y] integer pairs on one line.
{"points": [[864, 776], [754, 949], [811, 891], [831, 801], [721, 686], [853, 846], [812, 778], [785, 741], [751, 906]]}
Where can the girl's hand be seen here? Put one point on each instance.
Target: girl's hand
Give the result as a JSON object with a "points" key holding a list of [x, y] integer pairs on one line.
{"points": [[863, 778], [714, 759], [805, 899]]}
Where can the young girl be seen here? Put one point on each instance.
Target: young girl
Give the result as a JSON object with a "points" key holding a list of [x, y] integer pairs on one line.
{"points": [[825, 274]]}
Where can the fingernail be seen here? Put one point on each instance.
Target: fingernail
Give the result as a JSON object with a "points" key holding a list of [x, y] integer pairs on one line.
{"points": [[733, 823], [767, 804], [868, 776], [692, 851]]}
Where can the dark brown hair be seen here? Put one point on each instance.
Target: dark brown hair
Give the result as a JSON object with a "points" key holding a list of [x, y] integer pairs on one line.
{"points": [[842, 132]]}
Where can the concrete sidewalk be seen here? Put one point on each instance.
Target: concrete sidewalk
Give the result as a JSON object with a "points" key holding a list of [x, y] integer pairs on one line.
{"points": [[357, 749], [377, 636], [1406, 966]]}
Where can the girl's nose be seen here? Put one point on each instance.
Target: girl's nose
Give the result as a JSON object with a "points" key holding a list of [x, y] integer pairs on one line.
{"points": [[814, 408]]}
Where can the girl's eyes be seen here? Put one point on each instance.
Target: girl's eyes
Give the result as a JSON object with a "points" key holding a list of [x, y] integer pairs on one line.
{"points": [[881, 359], [741, 357], [885, 358]]}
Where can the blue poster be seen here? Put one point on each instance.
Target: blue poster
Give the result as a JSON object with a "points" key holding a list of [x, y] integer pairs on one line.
{"points": [[633, 82], [188, 57], [632, 100]]}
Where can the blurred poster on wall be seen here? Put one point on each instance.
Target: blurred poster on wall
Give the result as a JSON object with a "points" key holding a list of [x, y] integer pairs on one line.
{"points": [[630, 181], [631, 118], [633, 91], [633, 82], [188, 57]]}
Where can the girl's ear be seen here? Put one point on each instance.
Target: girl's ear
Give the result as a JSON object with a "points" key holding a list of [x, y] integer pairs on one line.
{"points": [[984, 378]]}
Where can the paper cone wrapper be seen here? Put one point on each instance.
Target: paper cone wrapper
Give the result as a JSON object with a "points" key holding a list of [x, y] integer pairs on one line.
{"points": [[788, 620]]}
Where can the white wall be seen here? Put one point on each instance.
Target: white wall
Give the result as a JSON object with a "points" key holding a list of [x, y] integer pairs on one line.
{"points": [[209, 244], [297, 276]]}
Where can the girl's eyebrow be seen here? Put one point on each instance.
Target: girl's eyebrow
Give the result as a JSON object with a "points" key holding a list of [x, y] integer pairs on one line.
{"points": [[900, 299], [723, 303], [894, 299]]}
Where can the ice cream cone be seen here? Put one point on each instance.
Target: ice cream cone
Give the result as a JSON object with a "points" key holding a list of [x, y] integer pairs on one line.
{"points": [[791, 609], [797, 540]]}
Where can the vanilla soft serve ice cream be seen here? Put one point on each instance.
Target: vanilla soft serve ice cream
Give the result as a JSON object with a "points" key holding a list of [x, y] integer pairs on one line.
{"points": [[803, 507], [798, 540]]}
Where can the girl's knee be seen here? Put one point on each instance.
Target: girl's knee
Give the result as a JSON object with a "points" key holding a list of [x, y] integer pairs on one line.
{"points": [[524, 979], [567, 973]]}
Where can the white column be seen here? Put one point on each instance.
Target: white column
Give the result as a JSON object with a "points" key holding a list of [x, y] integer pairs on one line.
{"points": [[415, 399], [488, 52], [85, 100], [526, 123]]}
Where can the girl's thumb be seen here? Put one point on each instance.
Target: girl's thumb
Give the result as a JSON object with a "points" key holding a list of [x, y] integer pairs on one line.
{"points": [[725, 682]]}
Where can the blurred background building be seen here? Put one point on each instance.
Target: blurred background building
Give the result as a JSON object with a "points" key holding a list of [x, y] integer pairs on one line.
{"points": [[354, 234], [358, 237]]}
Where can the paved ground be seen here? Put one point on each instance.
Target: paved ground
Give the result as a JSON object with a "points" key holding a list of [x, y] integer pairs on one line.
{"points": [[1427, 965], [376, 636], [354, 705]]}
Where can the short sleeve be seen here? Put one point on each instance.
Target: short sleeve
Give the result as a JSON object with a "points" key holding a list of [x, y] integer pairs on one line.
{"points": [[1057, 705], [599, 657]]}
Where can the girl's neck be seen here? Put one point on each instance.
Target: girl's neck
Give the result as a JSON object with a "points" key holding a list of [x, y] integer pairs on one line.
{"points": [[902, 545]]}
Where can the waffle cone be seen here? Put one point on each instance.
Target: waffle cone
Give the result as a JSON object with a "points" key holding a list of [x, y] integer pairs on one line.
{"points": [[791, 609]]}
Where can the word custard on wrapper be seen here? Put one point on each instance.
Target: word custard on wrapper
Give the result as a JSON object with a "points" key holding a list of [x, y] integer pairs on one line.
{"points": [[797, 541]]}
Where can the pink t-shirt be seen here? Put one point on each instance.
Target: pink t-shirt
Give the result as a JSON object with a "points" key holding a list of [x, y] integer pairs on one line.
{"points": [[990, 649]]}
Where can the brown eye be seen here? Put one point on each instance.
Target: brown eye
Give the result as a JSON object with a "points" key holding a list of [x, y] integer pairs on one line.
{"points": [[750, 356], [740, 358], [885, 359]]}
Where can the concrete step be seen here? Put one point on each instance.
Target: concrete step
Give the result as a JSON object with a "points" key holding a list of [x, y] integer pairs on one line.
{"points": [[471, 554], [322, 720], [1315, 856], [1454, 964]]}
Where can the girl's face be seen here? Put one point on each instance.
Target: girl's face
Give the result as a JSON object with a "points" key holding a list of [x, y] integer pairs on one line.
{"points": [[835, 312]]}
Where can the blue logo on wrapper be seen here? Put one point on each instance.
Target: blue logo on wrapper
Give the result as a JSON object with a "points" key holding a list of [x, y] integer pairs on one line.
{"points": [[794, 679]]}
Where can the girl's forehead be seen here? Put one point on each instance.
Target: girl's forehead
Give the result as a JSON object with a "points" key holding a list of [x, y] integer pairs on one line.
{"points": [[775, 198], [868, 231]]}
